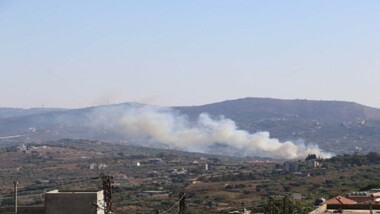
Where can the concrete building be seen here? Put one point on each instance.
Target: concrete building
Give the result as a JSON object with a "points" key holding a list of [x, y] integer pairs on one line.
{"points": [[291, 166], [65, 202], [313, 163], [370, 197], [74, 202], [347, 209], [23, 210]]}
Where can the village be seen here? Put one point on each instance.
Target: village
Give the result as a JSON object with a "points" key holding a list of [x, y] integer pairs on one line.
{"points": [[147, 180]]}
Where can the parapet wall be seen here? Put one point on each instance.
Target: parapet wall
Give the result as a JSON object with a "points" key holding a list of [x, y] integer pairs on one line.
{"points": [[24, 210]]}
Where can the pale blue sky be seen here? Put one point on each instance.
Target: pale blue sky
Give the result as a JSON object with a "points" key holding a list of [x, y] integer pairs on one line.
{"points": [[82, 53]]}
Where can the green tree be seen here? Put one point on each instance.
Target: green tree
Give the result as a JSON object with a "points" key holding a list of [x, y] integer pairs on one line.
{"points": [[283, 205]]}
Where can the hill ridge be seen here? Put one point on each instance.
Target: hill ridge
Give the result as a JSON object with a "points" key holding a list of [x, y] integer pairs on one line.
{"points": [[337, 126]]}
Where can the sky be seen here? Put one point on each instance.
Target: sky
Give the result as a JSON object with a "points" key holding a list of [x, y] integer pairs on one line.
{"points": [[74, 54]]}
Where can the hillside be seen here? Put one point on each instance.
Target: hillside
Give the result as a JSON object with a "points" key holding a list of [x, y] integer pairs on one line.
{"points": [[267, 108], [17, 112], [335, 126], [213, 183]]}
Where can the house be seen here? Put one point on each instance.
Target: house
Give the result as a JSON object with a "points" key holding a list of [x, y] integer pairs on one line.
{"points": [[365, 197], [245, 211], [156, 161], [291, 166], [341, 204], [175, 172], [195, 181], [314, 163], [340, 201], [99, 166], [120, 176]]}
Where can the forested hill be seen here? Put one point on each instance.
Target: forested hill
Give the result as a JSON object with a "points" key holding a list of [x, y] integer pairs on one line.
{"points": [[266, 108], [340, 127], [334, 125]]}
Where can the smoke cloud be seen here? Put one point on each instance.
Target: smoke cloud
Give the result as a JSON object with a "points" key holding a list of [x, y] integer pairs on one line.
{"points": [[221, 135]]}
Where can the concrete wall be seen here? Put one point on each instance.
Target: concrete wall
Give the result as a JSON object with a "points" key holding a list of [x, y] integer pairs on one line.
{"points": [[319, 210], [73, 202], [353, 206], [362, 198], [24, 210]]}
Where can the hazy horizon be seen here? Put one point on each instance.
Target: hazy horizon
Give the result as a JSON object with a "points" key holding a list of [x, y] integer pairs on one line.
{"points": [[218, 101]]}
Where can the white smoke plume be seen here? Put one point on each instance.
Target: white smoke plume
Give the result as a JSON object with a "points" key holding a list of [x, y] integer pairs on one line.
{"points": [[166, 126]]}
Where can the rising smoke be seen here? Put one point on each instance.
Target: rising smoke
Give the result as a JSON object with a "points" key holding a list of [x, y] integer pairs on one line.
{"points": [[166, 126]]}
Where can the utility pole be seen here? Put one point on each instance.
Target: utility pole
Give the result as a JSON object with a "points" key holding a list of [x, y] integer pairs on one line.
{"points": [[107, 182], [15, 193], [284, 208], [182, 203]]}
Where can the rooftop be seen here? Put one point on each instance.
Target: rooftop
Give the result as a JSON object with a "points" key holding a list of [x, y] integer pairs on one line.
{"points": [[339, 200]]}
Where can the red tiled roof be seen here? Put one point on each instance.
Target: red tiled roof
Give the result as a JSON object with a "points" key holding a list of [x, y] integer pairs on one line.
{"points": [[339, 200]]}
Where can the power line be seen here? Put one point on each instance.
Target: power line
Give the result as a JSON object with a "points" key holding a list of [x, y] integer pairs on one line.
{"points": [[174, 204], [46, 187]]}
